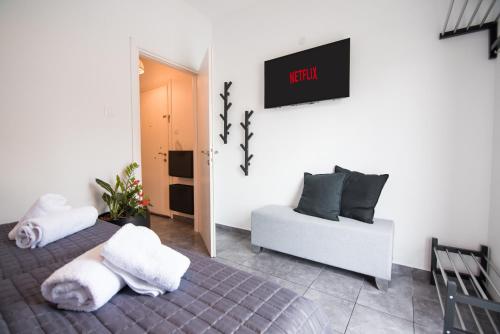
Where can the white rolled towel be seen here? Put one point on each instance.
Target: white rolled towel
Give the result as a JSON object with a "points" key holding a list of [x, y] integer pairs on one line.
{"points": [[148, 267], [83, 284], [40, 231], [43, 206]]}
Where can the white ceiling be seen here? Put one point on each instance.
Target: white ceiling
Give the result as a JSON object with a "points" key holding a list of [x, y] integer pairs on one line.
{"points": [[216, 8]]}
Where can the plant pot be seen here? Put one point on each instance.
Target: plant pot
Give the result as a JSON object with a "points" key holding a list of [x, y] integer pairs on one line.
{"points": [[136, 220]]}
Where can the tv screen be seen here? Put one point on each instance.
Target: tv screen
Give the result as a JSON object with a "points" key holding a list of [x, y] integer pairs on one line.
{"points": [[316, 74], [180, 163]]}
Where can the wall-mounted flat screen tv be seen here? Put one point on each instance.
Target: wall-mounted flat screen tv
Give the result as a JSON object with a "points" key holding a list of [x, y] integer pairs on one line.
{"points": [[316, 74]]}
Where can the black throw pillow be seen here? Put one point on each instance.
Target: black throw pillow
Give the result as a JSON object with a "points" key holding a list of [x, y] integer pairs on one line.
{"points": [[321, 195], [360, 195]]}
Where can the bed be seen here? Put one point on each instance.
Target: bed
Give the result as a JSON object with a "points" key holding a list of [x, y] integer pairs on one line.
{"points": [[212, 297]]}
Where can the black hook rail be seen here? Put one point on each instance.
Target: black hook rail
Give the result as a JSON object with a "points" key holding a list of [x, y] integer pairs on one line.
{"points": [[227, 105], [248, 135]]}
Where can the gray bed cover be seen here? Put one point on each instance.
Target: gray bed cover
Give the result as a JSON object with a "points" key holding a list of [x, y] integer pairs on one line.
{"points": [[212, 297]]}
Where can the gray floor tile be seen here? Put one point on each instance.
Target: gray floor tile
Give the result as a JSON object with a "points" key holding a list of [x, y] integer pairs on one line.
{"points": [[178, 234], [337, 309], [397, 300], [272, 263], [343, 272], [222, 235], [338, 284], [253, 271], [422, 287], [427, 314], [221, 229], [300, 289], [303, 272], [337, 332], [425, 291], [400, 284], [398, 305], [239, 253], [228, 262], [242, 268], [365, 320], [226, 240], [421, 275], [424, 330]]}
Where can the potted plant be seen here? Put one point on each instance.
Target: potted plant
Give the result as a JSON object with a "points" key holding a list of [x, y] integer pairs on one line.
{"points": [[125, 200]]}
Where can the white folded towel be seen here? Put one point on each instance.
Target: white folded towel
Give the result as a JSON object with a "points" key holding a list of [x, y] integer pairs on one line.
{"points": [[83, 284], [138, 285], [137, 255], [43, 206], [38, 232]]}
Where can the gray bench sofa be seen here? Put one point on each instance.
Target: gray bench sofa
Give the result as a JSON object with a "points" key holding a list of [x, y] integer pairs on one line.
{"points": [[348, 244]]}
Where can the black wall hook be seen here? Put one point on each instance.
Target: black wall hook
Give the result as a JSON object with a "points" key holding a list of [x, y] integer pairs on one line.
{"points": [[227, 105], [248, 135]]}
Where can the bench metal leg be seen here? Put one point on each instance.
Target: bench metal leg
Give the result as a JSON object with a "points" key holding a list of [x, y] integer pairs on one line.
{"points": [[382, 284], [256, 249]]}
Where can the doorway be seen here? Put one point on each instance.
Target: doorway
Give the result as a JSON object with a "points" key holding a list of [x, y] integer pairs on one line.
{"points": [[167, 106], [171, 117]]}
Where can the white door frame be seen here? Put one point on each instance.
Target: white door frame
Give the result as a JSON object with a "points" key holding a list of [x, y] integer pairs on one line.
{"points": [[135, 52]]}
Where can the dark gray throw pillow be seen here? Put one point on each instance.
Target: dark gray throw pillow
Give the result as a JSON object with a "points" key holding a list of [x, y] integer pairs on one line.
{"points": [[321, 195], [360, 195]]}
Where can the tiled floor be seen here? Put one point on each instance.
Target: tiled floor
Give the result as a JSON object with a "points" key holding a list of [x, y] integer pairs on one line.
{"points": [[178, 234], [351, 300]]}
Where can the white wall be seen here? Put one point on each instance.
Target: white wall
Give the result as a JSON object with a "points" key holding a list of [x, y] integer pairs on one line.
{"points": [[65, 89], [420, 109], [494, 228]]}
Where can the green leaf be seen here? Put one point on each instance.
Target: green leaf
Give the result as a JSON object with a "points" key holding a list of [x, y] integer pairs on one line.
{"points": [[106, 198], [129, 170], [119, 184], [106, 186]]}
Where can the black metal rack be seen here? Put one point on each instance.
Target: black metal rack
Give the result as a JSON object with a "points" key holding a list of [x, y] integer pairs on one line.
{"points": [[491, 26], [474, 282]]}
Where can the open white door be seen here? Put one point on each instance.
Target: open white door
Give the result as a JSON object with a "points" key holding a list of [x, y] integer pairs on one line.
{"points": [[204, 157]]}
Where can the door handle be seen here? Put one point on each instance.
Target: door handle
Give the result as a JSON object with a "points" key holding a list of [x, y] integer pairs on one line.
{"points": [[207, 153]]}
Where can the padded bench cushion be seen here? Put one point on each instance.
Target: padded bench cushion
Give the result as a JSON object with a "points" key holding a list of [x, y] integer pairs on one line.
{"points": [[348, 244]]}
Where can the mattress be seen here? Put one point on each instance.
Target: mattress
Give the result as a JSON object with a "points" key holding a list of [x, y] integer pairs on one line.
{"points": [[212, 298]]}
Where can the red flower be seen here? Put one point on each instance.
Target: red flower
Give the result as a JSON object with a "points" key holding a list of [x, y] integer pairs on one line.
{"points": [[144, 202], [136, 182]]}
